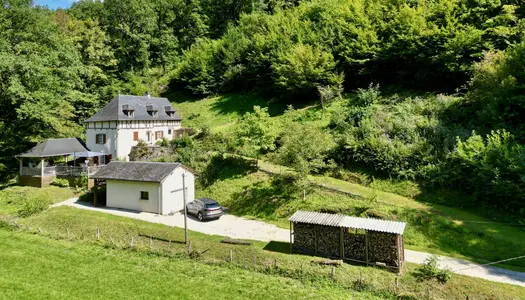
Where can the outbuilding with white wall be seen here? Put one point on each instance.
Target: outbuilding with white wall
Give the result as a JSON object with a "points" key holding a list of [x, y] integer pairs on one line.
{"points": [[147, 186]]}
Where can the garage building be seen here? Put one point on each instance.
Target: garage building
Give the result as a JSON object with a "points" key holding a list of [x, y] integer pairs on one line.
{"points": [[147, 186]]}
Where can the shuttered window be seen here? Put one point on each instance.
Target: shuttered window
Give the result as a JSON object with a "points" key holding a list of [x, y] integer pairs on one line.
{"points": [[101, 138], [136, 136], [158, 135]]}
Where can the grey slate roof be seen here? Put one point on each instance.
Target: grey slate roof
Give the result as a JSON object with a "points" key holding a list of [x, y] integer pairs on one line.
{"points": [[56, 147], [113, 111], [136, 171], [316, 218]]}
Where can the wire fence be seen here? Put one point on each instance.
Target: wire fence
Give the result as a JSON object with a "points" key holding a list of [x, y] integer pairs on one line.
{"points": [[318, 271]]}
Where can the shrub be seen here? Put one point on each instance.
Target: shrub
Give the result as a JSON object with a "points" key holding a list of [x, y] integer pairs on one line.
{"points": [[60, 182], [33, 205], [429, 271], [164, 142]]}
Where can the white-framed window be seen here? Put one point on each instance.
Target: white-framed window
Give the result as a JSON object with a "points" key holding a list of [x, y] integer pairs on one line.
{"points": [[159, 135], [101, 138], [144, 195]]}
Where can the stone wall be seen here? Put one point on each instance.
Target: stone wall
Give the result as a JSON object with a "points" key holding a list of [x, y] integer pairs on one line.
{"points": [[146, 153]]}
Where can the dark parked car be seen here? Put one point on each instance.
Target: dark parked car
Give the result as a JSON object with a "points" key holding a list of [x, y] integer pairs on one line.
{"points": [[205, 208]]}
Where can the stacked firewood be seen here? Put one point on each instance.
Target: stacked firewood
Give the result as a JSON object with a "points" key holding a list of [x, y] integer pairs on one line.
{"points": [[328, 241], [383, 247], [355, 246], [304, 238]]}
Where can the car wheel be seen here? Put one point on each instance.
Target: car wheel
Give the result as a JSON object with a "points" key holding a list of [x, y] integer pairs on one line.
{"points": [[200, 216]]}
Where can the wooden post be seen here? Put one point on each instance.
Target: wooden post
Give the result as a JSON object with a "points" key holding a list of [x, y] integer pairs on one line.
{"points": [[398, 255], [291, 240], [42, 168], [231, 255], [341, 242], [95, 187], [315, 240], [185, 210], [333, 272], [255, 259], [21, 166], [98, 233], [131, 243], [366, 246], [150, 242]]}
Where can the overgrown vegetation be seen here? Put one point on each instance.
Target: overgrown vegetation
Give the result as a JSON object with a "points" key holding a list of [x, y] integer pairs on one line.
{"points": [[26, 201]]}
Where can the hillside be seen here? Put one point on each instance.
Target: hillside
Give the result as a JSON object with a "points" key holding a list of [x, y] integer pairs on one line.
{"points": [[440, 221]]}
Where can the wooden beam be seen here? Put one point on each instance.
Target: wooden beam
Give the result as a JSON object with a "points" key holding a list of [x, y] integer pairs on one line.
{"points": [[366, 246], [341, 242], [315, 239], [95, 186], [291, 241]]}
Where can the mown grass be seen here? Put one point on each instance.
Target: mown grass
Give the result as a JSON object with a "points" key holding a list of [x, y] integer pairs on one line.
{"points": [[268, 259], [16, 199], [34, 267]]}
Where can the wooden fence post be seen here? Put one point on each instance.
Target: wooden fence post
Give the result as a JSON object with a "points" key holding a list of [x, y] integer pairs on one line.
{"points": [[231, 255], [98, 233]]}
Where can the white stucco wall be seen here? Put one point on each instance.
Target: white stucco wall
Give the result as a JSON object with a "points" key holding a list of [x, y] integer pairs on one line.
{"points": [[119, 139], [109, 129], [126, 194], [172, 194]]}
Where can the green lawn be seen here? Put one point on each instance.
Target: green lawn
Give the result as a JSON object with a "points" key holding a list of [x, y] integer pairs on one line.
{"points": [[93, 259], [35, 267]]}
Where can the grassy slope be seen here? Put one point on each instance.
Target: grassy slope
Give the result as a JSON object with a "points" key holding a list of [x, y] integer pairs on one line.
{"points": [[293, 271], [13, 198], [433, 228], [38, 268]]}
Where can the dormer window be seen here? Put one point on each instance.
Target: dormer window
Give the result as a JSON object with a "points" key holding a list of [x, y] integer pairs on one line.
{"points": [[128, 110], [169, 111], [152, 110]]}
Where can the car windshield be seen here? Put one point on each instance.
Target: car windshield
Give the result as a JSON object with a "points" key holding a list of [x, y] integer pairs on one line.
{"points": [[212, 205]]}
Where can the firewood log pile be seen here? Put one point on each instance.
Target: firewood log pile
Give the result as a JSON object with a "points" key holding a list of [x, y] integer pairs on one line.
{"points": [[304, 238], [355, 246], [328, 241], [382, 247]]}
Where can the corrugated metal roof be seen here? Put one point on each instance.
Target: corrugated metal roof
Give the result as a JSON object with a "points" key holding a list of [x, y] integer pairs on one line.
{"points": [[348, 222], [316, 218], [374, 224]]}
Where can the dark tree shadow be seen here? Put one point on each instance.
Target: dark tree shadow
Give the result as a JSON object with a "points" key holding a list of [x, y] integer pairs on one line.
{"points": [[280, 247], [223, 167]]}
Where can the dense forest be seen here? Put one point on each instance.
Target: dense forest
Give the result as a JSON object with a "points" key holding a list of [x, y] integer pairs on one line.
{"points": [[58, 67]]}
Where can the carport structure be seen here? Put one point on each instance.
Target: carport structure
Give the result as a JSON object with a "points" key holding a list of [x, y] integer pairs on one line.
{"points": [[364, 240]]}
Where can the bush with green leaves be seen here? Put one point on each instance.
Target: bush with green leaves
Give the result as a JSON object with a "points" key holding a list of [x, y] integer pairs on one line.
{"points": [[60, 182], [429, 271], [489, 168]]}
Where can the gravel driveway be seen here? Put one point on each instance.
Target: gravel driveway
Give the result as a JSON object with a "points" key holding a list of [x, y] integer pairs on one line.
{"points": [[241, 228], [227, 225]]}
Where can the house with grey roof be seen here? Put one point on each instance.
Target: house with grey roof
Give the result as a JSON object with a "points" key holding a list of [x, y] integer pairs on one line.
{"points": [[119, 125], [147, 186]]}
